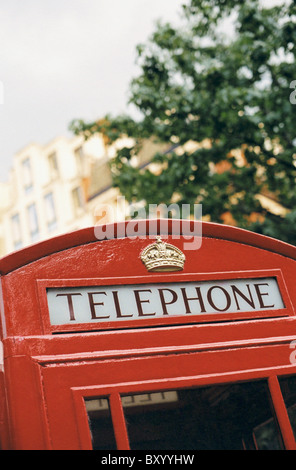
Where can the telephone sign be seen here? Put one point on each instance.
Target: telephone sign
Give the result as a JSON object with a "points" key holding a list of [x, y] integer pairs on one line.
{"points": [[130, 302]]}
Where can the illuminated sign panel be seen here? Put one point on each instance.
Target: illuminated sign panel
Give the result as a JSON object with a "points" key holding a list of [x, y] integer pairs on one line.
{"points": [[110, 303]]}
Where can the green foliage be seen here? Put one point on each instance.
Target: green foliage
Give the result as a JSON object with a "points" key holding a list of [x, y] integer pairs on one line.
{"points": [[198, 83]]}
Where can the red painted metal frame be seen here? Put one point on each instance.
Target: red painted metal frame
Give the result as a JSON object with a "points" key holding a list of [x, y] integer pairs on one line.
{"points": [[43, 284], [152, 369], [281, 413]]}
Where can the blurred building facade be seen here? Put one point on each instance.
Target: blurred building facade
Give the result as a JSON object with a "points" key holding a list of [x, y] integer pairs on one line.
{"points": [[67, 185], [60, 187], [49, 189]]}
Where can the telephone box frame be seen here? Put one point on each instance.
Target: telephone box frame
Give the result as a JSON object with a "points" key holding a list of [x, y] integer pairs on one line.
{"points": [[54, 368]]}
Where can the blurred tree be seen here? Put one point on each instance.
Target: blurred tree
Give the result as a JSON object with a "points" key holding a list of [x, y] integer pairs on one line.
{"points": [[223, 78]]}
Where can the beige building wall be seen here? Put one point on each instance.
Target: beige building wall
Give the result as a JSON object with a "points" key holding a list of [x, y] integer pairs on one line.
{"points": [[48, 189]]}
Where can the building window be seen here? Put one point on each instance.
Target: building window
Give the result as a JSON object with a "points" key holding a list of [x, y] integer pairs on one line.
{"points": [[53, 165], [33, 222], [79, 156], [27, 175], [78, 199], [16, 231], [50, 212]]}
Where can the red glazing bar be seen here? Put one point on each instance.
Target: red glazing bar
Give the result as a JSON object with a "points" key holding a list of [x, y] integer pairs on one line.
{"points": [[281, 413], [118, 421]]}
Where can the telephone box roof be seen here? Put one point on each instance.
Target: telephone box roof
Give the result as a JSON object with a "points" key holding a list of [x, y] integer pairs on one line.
{"points": [[87, 235]]}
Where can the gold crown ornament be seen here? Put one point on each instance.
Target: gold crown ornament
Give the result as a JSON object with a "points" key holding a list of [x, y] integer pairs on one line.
{"points": [[162, 257]]}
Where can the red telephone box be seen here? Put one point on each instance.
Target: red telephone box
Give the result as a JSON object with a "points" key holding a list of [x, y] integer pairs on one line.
{"points": [[133, 342]]}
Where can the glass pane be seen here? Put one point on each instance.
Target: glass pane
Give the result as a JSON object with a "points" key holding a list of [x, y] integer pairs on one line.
{"points": [[288, 387], [222, 417], [100, 423]]}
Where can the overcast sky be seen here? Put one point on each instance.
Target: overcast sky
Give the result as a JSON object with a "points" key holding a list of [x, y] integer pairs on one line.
{"points": [[66, 59]]}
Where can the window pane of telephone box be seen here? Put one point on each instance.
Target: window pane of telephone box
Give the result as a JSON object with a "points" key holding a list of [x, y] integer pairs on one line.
{"points": [[221, 417], [288, 387], [100, 424]]}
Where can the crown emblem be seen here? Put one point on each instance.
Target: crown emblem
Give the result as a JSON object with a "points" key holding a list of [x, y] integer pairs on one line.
{"points": [[162, 257]]}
